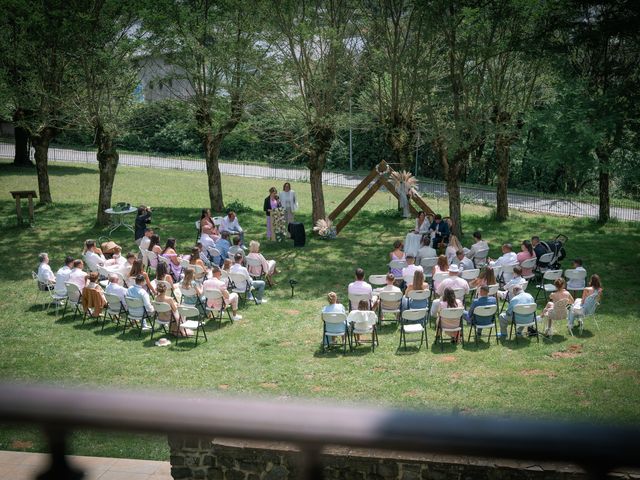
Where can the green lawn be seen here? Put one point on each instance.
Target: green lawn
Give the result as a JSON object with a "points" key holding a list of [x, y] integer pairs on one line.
{"points": [[274, 350]]}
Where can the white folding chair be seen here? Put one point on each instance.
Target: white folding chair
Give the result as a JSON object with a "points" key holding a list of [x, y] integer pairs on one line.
{"points": [[216, 296], [241, 286], [364, 323], [469, 276], [480, 258], [543, 262], [529, 264], [483, 318], [114, 309], [389, 302], [161, 307], [547, 286], [427, 265], [132, 318], [185, 264], [450, 321], [253, 263], [559, 311], [413, 321], [378, 280], [354, 300], [417, 296], [524, 315], [189, 313], [152, 259], [74, 298], [340, 329], [397, 264], [40, 286], [577, 275]]}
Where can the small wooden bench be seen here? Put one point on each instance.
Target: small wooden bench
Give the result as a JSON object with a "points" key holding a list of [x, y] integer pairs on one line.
{"points": [[19, 195]]}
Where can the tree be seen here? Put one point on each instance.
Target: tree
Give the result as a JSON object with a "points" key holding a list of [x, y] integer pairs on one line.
{"points": [[400, 54], [106, 81], [41, 34], [210, 54], [315, 43], [596, 44]]}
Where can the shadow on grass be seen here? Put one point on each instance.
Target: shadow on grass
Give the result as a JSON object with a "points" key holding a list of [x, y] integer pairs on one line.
{"points": [[7, 169], [522, 342]]}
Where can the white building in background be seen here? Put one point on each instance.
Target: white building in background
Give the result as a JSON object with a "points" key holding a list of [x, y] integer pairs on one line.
{"points": [[160, 80]]}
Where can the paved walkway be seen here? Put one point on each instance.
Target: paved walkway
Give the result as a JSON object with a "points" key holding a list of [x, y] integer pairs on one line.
{"points": [[518, 201], [26, 466]]}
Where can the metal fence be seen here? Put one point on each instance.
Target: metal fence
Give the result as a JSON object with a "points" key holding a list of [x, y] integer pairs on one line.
{"points": [[621, 209], [597, 448]]}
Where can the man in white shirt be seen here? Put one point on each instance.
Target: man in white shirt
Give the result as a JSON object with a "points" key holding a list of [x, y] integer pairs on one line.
{"points": [[206, 241], [138, 291], [463, 262], [576, 283], [114, 288], [516, 280], [230, 224], [410, 269], [479, 245], [215, 283], [454, 282], [508, 258], [258, 284], [77, 275], [46, 278], [145, 241], [389, 287], [360, 287], [62, 276], [93, 258], [426, 251]]}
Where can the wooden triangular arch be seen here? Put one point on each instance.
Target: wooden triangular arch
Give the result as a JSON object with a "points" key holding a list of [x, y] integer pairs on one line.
{"points": [[379, 176]]}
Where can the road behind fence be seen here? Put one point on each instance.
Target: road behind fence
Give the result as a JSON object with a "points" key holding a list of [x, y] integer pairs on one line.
{"points": [[621, 209]]}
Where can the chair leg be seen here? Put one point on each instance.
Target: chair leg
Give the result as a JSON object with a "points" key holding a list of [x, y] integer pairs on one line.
{"points": [[537, 331], [401, 332], [203, 332]]}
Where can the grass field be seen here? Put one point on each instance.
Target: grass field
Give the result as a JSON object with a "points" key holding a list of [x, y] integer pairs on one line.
{"points": [[275, 350]]}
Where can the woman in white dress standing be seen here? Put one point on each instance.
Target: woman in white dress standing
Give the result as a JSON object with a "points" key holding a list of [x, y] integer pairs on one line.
{"points": [[289, 202]]}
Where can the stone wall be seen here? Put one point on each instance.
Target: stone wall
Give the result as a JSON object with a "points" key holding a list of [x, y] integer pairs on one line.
{"points": [[224, 459]]}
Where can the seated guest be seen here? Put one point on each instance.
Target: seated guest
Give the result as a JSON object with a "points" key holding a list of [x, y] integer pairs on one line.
{"points": [[487, 277], [93, 299], [62, 276], [360, 287], [207, 241], [441, 267], [143, 218], [418, 284], [517, 279], [268, 266], [520, 297], [194, 259], [363, 314], [46, 278], [125, 268], [226, 265], [137, 291], [223, 245], [478, 245], [334, 307], [172, 317], [145, 240], [116, 260], [138, 271], [230, 224], [508, 257], [439, 231], [425, 251], [448, 300], [170, 254], [114, 288], [190, 289], [578, 307], [93, 255], [389, 286], [452, 248], [411, 267], [398, 255], [560, 295], [539, 248], [414, 237], [203, 255], [156, 249], [454, 282], [526, 253], [483, 300], [215, 283], [259, 285], [207, 225], [576, 283], [463, 262], [78, 276], [162, 274]]}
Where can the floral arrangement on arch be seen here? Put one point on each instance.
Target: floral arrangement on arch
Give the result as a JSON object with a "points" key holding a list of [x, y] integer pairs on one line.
{"points": [[325, 229], [279, 224]]}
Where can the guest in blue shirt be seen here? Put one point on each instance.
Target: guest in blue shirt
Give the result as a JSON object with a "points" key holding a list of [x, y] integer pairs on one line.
{"points": [[137, 291], [222, 245], [520, 297], [334, 307], [483, 300]]}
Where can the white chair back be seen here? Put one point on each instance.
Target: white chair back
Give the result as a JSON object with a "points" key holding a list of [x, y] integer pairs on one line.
{"points": [[254, 263], [452, 313], [397, 264], [213, 252], [213, 294], [134, 302], [529, 263], [239, 280], [235, 249], [428, 263], [164, 260], [525, 308], [481, 254], [573, 274], [354, 299], [217, 221], [161, 307], [188, 311], [552, 275], [459, 293], [497, 271], [184, 263], [560, 310], [493, 289], [114, 304], [440, 276], [485, 311], [469, 275], [363, 321], [334, 317], [378, 279], [168, 286], [198, 225], [418, 295], [414, 315], [73, 292]]}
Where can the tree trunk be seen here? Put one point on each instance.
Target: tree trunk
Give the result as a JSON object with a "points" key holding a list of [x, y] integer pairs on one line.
{"points": [[41, 144], [502, 156], [107, 164], [452, 168], [212, 146], [317, 194], [604, 213]]}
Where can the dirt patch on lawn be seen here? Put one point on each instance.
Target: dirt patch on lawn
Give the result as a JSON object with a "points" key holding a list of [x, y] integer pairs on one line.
{"points": [[269, 385], [318, 388], [21, 444], [292, 312], [537, 372], [411, 393], [572, 351], [223, 386], [448, 358]]}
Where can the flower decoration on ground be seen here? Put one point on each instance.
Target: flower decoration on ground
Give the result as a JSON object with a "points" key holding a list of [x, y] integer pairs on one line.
{"points": [[325, 229], [279, 224]]}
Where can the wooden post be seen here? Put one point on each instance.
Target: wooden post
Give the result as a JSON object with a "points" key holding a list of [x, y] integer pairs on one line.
{"points": [[18, 209], [356, 208], [423, 206], [354, 193]]}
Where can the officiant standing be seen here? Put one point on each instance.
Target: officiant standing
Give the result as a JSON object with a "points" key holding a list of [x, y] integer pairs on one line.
{"points": [[289, 202]]}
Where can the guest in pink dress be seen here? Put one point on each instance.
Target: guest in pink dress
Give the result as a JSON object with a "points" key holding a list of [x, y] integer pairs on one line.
{"points": [[270, 203], [526, 254]]}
